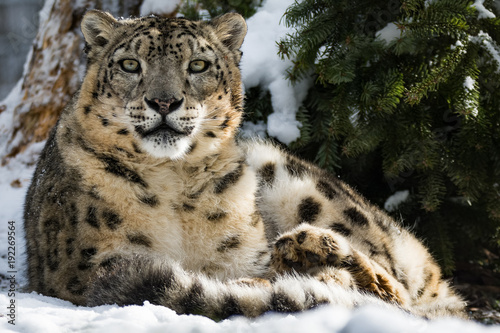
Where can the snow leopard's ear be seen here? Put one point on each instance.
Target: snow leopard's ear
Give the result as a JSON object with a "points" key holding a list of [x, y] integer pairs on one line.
{"points": [[97, 28], [231, 29]]}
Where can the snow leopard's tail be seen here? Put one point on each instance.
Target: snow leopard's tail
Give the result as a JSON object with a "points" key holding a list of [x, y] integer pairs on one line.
{"points": [[136, 280]]}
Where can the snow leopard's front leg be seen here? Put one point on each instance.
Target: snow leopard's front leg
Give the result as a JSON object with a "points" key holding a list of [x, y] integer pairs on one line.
{"points": [[314, 250]]}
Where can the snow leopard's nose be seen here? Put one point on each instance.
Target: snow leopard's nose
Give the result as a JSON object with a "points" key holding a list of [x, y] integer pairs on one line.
{"points": [[163, 106]]}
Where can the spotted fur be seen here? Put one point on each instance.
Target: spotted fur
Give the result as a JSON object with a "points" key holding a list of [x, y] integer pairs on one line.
{"points": [[143, 193]]}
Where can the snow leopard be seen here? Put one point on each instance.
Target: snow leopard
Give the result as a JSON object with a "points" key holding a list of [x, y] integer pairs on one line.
{"points": [[144, 192]]}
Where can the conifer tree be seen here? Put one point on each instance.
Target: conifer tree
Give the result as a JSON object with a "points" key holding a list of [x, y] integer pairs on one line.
{"points": [[194, 9], [407, 97]]}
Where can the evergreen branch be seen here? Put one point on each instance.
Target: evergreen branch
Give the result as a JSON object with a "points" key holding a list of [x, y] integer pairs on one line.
{"points": [[306, 129], [432, 190], [439, 241], [328, 157], [437, 75], [363, 140]]}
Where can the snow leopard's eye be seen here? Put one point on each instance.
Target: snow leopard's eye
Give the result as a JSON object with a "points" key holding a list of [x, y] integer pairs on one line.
{"points": [[198, 66], [130, 65]]}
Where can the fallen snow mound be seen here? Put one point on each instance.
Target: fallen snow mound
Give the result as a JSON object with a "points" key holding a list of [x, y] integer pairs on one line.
{"points": [[38, 313]]}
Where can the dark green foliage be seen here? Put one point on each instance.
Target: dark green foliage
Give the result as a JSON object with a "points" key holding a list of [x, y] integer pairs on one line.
{"points": [[191, 8], [257, 104], [419, 112]]}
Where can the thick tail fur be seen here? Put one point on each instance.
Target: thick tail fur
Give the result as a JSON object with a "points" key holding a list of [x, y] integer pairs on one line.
{"points": [[135, 280]]}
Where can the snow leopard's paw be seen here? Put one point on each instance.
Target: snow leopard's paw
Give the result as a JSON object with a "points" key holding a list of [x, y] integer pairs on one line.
{"points": [[307, 249], [372, 277]]}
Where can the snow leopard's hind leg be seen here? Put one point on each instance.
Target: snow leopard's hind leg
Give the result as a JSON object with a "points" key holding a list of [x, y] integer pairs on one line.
{"points": [[313, 250]]}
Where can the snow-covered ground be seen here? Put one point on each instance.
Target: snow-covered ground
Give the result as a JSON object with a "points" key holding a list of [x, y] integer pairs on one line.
{"points": [[44, 314], [37, 313]]}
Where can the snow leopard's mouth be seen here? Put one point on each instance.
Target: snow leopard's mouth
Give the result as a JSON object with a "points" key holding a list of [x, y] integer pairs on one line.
{"points": [[164, 128]]}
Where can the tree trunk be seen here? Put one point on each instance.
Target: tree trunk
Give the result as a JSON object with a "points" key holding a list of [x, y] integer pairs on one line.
{"points": [[51, 74]]}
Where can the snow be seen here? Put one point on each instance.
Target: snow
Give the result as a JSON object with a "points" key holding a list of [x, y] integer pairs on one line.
{"points": [[483, 12], [458, 43], [392, 203], [249, 129], [489, 44], [389, 33], [17, 172], [354, 117], [262, 65], [469, 83], [283, 126], [46, 314], [471, 103], [159, 6]]}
